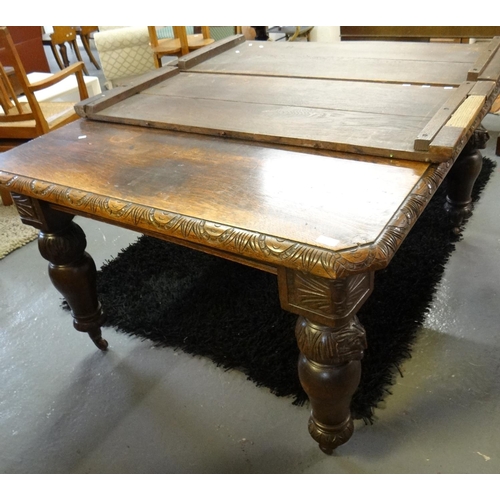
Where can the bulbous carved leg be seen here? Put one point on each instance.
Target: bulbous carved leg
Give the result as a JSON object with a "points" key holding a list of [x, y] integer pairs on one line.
{"points": [[73, 273], [331, 342], [461, 179], [71, 269], [329, 371]]}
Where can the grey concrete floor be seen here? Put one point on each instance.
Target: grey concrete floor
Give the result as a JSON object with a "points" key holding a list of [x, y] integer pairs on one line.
{"points": [[66, 407]]}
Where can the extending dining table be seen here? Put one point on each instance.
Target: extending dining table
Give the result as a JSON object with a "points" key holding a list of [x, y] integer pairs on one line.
{"points": [[311, 161]]}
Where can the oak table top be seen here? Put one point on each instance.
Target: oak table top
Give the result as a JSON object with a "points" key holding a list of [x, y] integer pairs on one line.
{"points": [[239, 197], [311, 161]]}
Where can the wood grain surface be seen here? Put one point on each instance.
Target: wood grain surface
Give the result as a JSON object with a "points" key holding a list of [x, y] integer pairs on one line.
{"points": [[322, 182], [257, 91], [298, 196], [404, 62], [357, 117]]}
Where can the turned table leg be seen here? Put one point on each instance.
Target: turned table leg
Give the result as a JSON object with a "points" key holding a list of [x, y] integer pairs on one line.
{"points": [[461, 179], [331, 342], [71, 269]]}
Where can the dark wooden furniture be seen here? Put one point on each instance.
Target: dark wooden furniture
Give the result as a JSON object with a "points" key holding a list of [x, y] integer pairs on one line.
{"points": [[308, 161]]}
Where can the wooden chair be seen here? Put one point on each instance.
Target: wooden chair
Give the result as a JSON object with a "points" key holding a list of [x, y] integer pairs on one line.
{"points": [[199, 40], [85, 32], [124, 52], [24, 121], [20, 122], [58, 39], [176, 46]]}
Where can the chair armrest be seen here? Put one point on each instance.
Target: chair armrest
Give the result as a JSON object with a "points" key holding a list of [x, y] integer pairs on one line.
{"points": [[74, 69]]}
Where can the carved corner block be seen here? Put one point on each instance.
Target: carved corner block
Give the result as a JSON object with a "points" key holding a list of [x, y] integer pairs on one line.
{"points": [[326, 301], [28, 209], [34, 212]]}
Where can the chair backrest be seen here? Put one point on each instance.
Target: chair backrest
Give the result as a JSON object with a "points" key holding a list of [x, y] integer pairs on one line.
{"points": [[205, 31], [62, 34], [124, 51], [8, 97], [153, 36], [13, 110], [180, 32], [87, 30]]}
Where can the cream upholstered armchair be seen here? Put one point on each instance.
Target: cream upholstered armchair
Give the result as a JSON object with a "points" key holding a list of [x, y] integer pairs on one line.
{"points": [[124, 51]]}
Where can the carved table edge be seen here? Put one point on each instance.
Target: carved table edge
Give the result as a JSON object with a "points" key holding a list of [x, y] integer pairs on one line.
{"points": [[261, 247]]}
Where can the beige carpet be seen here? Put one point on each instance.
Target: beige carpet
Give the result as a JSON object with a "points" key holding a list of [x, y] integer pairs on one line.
{"points": [[13, 233]]}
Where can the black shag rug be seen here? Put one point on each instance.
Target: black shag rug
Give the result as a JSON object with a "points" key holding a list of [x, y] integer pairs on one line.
{"points": [[230, 313]]}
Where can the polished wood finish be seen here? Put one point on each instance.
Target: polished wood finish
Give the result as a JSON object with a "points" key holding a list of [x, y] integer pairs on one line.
{"points": [[21, 121], [71, 269], [321, 219], [187, 180], [462, 177]]}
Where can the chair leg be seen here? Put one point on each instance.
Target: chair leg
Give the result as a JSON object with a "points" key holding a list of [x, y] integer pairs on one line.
{"points": [[6, 198], [157, 59], [56, 57], [86, 45], [78, 55], [64, 54], [498, 146]]}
